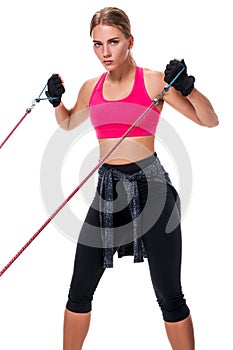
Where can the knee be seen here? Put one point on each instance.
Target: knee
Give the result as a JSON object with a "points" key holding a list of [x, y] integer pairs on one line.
{"points": [[79, 302], [79, 305], [173, 307]]}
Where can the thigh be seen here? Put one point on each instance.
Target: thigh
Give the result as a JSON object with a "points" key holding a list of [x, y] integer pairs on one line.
{"points": [[88, 263], [88, 270], [163, 246]]}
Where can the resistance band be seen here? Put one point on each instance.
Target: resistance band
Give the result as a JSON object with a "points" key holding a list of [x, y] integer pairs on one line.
{"points": [[155, 101], [28, 110]]}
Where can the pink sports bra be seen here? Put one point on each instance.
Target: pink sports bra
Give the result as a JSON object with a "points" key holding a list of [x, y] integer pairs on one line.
{"points": [[112, 118]]}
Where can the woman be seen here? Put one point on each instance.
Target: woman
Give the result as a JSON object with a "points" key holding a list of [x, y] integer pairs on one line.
{"points": [[144, 190]]}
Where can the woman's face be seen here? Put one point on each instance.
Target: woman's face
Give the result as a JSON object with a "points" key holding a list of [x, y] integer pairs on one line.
{"points": [[110, 46]]}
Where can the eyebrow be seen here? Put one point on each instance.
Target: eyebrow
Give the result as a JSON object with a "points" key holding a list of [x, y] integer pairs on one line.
{"points": [[98, 41]]}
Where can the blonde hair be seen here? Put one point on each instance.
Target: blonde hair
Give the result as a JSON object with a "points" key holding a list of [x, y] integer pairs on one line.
{"points": [[115, 17]]}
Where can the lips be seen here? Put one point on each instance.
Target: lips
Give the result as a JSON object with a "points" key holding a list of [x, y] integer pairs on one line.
{"points": [[108, 62]]}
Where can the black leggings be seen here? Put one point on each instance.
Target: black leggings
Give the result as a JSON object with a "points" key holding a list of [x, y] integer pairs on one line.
{"points": [[163, 252]]}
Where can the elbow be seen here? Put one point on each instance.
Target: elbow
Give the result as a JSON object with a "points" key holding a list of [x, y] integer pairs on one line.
{"points": [[207, 118], [65, 124], [209, 123], [212, 125], [64, 127]]}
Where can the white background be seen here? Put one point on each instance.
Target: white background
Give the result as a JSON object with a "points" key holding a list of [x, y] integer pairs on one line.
{"points": [[40, 38]]}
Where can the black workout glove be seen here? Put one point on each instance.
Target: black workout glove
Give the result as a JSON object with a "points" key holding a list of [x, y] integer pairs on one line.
{"points": [[184, 83], [55, 89]]}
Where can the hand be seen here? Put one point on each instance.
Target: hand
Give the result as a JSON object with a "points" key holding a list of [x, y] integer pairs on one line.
{"points": [[183, 83], [55, 89]]}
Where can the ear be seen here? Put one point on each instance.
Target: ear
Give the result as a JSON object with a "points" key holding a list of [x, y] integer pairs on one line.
{"points": [[131, 42]]}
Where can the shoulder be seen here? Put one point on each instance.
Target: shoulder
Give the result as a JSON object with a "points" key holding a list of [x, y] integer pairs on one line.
{"points": [[87, 89], [153, 77], [84, 95], [154, 81]]}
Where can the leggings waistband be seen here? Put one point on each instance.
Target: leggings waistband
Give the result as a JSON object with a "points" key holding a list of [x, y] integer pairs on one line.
{"points": [[133, 167]]}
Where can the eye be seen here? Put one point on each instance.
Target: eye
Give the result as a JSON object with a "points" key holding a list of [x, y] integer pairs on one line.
{"points": [[114, 42], [97, 44]]}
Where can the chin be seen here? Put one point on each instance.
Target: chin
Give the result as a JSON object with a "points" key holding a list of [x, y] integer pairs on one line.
{"points": [[109, 67]]}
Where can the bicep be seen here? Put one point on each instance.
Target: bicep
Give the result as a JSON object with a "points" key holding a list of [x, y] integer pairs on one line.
{"points": [[80, 111]]}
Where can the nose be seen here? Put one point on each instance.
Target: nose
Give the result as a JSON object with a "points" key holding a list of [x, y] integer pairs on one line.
{"points": [[106, 51]]}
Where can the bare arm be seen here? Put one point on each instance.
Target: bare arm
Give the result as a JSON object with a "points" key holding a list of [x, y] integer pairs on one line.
{"points": [[70, 118], [195, 106], [62, 116]]}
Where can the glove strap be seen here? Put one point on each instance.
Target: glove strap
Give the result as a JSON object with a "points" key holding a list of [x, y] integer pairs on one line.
{"points": [[166, 89], [159, 97]]}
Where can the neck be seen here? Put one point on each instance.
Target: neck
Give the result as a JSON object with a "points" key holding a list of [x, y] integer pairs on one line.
{"points": [[122, 72]]}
